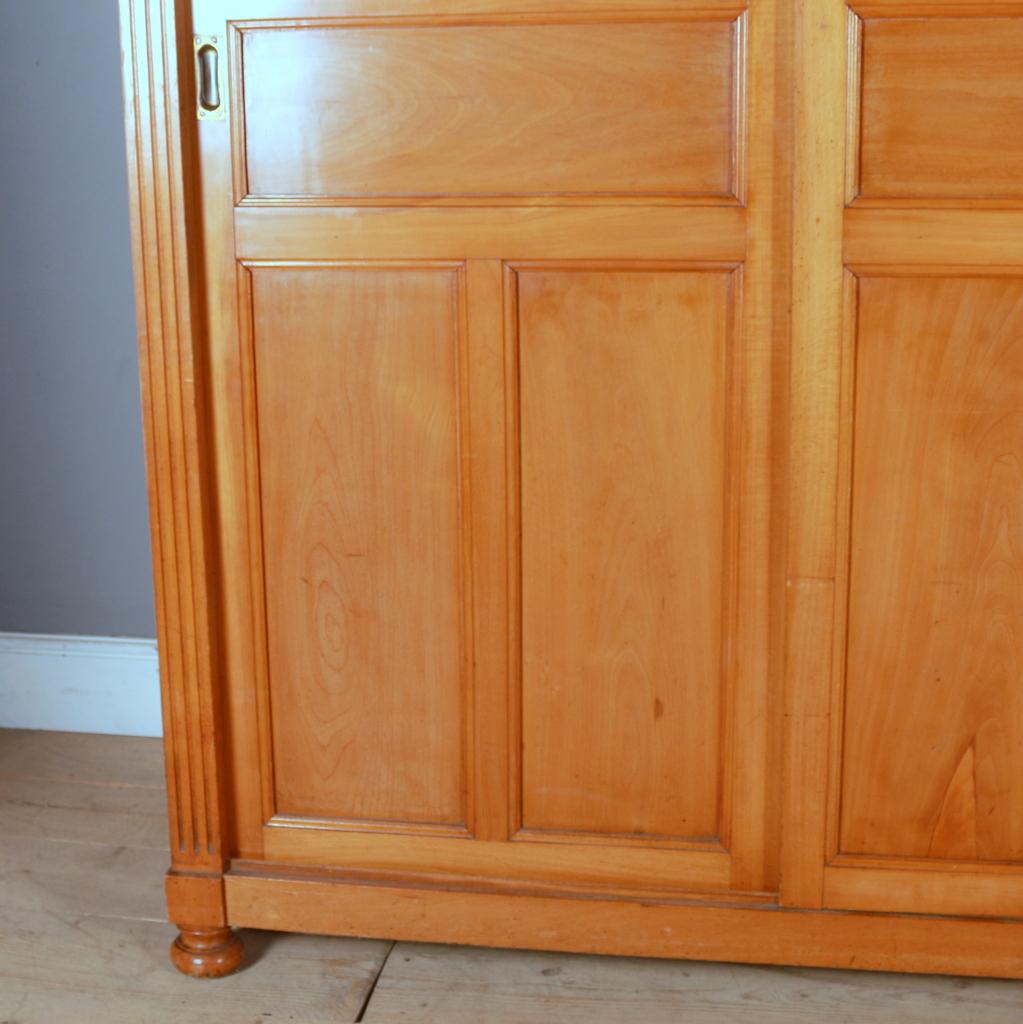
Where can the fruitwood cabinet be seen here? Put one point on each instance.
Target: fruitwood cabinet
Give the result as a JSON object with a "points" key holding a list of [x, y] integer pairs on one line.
{"points": [[586, 467]]}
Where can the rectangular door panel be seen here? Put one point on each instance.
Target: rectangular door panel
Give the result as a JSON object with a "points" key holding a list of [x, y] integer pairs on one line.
{"points": [[496, 421], [942, 108], [904, 716], [933, 755], [623, 396], [493, 109], [357, 409]]}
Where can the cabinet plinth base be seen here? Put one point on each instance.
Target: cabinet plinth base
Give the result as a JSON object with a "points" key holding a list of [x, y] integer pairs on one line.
{"points": [[207, 952], [266, 896]]}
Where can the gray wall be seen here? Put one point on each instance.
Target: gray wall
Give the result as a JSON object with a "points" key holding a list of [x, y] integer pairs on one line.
{"points": [[74, 555]]}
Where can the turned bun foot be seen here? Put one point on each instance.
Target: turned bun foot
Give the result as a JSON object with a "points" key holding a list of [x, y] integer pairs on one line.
{"points": [[207, 952]]}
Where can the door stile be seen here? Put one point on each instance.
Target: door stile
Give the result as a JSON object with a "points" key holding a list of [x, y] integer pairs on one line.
{"points": [[235, 456], [819, 169], [750, 814]]}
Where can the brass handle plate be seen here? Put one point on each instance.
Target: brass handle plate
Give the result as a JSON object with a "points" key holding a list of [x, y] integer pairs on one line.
{"points": [[209, 92]]}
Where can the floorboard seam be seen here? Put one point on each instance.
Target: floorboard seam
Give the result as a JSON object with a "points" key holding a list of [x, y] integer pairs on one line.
{"points": [[373, 985]]}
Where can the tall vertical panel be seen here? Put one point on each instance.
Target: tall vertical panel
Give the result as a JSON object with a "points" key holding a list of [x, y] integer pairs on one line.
{"points": [[623, 398], [356, 378], [933, 762]]}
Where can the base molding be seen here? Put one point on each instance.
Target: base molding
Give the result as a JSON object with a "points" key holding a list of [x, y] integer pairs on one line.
{"points": [[686, 931], [79, 684]]}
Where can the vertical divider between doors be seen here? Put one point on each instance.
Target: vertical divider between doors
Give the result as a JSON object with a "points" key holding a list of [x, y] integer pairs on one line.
{"points": [[819, 189]]}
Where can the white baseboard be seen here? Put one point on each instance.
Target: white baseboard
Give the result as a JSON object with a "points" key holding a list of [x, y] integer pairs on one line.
{"points": [[79, 684]]}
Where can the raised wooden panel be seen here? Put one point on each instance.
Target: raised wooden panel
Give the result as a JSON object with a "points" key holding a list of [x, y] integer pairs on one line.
{"points": [[623, 395], [942, 108], [498, 108], [358, 405], [933, 747]]}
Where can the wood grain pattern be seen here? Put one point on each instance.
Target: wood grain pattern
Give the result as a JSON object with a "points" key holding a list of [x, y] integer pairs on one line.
{"points": [[421, 984], [400, 770], [623, 424], [754, 619], [933, 765], [361, 507], [569, 864], [113, 970], [161, 186], [815, 369], [491, 109], [892, 885], [608, 232], [942, 108], [488, 233], [907, 238], [84, 812], [210, 12], [926, 945], [97, 966], [82, 929]]}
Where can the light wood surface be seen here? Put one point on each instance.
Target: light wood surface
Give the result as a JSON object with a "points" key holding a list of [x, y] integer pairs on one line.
{"points": [[815, 367], [622, 613], [463, 985], [393, 334], [361, 507], [520, 581], [935, 648], [500, 108], [83, 932], [64, 960], [942, 108], [510, 233], [521, 916], [161, 182], [899, 675]]}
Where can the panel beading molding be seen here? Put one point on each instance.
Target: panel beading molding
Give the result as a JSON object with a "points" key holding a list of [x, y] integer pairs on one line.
{"points": [[179, 488]]}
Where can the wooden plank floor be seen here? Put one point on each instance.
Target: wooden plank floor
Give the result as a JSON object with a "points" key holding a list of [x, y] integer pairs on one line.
{"points": [[83, 938]]}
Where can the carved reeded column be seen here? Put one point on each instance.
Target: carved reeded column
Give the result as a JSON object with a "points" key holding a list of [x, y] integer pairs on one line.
{"points": [[179, 482]]}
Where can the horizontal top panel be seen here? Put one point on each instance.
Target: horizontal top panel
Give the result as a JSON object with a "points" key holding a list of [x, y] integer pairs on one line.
{"points": [[500, 108], [942, 108], [207, 12]]}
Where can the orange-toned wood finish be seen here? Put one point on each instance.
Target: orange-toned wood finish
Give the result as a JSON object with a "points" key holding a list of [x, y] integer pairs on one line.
{"points": [[361, 542], [903, 657], [932, 762], [942, 107], [207, 953], [562, 107], [622, 612], [583, 447]]}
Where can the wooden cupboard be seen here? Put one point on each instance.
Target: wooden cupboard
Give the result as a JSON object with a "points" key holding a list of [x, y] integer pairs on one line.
{"points": [[585, 448]]}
